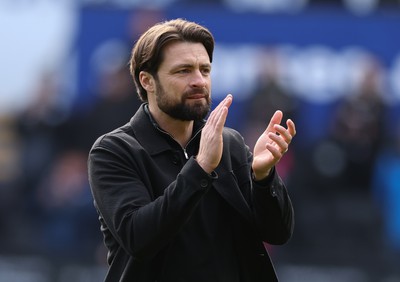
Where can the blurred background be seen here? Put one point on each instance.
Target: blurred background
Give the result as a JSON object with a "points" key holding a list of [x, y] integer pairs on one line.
{"points": [[331, 65]]}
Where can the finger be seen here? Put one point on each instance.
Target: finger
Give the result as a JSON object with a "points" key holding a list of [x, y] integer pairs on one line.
{"points": [[223, 110], [228, 100], [279, 141], [291, 127], [280, 130], [276, 153], [215, 114], [216, 122], [220, 122], [275, 119]]}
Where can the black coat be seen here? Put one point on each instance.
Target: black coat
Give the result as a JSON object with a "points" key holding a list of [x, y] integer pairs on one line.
{"points": [[165, 219]]}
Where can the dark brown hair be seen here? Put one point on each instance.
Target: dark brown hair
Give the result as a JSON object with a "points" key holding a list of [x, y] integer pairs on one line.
{"points": [[147, 53]]}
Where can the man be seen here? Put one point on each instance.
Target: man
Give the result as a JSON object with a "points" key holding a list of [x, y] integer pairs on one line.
{"points": [[181, 199]]}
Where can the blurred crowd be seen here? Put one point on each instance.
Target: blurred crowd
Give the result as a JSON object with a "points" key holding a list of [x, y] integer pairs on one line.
{"points": [[46, 205], [341, 181], [345, 184]]}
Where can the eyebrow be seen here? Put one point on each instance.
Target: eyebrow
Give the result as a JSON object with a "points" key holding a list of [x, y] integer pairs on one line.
{"points": [[184, 65]]}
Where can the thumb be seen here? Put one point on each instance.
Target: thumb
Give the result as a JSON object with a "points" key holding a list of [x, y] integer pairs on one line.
{"points": [[275, 119]]}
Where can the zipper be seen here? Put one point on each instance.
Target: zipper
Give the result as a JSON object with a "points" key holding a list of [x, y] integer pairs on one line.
{"points": [[183, 148], [185, 153], [165, 132]]}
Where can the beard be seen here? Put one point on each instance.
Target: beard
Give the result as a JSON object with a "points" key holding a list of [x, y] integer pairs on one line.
{"points": [[182, 110]]}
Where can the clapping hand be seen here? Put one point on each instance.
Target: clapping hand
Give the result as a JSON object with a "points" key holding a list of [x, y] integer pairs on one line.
{"points": [[272, 145]]}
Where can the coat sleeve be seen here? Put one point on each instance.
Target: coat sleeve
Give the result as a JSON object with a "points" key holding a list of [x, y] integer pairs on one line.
{"points": [[140, 224], [273, 210], [270, 204]]}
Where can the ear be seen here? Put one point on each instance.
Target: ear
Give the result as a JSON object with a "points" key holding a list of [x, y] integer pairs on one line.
{"points": [[147, 81]]}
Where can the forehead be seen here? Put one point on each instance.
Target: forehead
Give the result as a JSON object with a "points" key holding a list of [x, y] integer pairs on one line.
{"points": [[184, 53]]}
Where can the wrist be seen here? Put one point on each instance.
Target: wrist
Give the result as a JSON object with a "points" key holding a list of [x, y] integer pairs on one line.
{"points": [[203, 165], [260, 176]]}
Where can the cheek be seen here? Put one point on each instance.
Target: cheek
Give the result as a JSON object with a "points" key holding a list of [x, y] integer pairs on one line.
{"points": [[177, 88]]}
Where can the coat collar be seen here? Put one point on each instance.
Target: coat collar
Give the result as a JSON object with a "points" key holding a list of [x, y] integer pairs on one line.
{"points": [[150, 135]]}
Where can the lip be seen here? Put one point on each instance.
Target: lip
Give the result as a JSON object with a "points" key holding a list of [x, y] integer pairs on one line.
{"points": [[196, 96]]}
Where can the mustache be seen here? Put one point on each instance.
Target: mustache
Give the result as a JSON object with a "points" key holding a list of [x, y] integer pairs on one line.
{"points": [[195, 91]]}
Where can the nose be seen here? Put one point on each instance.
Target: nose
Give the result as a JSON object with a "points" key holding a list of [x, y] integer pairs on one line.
{"points": [[198, 79]]}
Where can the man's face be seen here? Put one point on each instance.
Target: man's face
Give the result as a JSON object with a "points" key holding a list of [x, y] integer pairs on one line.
{"points": [[183, 81]]}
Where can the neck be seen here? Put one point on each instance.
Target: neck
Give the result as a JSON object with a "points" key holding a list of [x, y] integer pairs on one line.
{"points": [[180, 130]]}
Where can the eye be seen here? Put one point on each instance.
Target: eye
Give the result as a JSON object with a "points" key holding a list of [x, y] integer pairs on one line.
{"points": [[206, 71], [183, 71]]}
